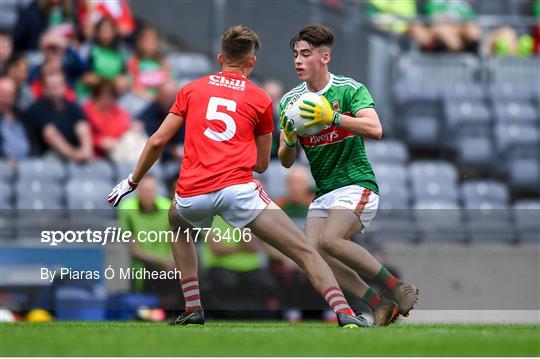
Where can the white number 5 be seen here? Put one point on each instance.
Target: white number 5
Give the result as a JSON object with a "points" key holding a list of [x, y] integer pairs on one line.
{"points": [[212, 114]]}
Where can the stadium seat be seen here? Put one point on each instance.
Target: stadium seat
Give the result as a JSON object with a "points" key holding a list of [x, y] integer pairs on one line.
{"points": [[417, 104], [394, 193], [124, 169], [436, 204], [524, 174], [7, 171], [87, 194], [6, 195], [412, 91], [519, 112], [488, 220], [31, 220], [98, 169], [189, 65], [504, 91], [422, 132], [442, 68], [87, 204], [517, 70], [433, 169], [521, 140], [36, 192], [48, 168], [476, 191], [439, 221], [392, 225], [393, 171], [433, 180], [398, 204], [526, 214], [463, 90], [489, 225], [38, 207], [475, 152], [464, 116], [486, 212], [387, 151], [392, 180]]}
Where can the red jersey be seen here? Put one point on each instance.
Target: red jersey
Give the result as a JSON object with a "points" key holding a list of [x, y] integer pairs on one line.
{"points": [[223, 113]]}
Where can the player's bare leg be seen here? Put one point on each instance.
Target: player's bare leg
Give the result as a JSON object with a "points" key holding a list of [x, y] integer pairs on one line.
{"points": [[276, 229], [184, 252], [340, 225], [347, 278], [185, 257], [384, 310]]}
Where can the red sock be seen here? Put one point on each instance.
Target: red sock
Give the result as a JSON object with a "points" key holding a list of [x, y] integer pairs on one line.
{"points": [[335, 299], [385, 278], [190, 288], [371, 298]]}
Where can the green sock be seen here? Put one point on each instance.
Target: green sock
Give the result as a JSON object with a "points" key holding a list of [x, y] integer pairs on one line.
{"points": [[385, 278], [371, 298]]}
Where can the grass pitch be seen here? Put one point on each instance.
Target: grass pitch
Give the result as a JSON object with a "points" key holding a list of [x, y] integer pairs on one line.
{"points": [[265, 339]]}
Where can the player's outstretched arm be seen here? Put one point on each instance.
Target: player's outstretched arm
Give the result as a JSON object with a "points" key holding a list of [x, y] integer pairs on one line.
{"points": [[155, 144], [264, 147], [365, 123], [150, 154]]}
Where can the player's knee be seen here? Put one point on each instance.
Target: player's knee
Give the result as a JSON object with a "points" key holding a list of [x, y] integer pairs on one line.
{"points": [[327, 243], [176, 223], [303, 251]]}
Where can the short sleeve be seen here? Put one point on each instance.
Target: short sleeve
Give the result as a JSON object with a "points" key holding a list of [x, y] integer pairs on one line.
{"points": [[360, 99], [280, 110], [265, 124], [180, 104]]}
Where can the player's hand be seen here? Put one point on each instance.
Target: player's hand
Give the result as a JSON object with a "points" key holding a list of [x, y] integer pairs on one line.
{"points": [[319, 113], [291, 137], [121, 189]]}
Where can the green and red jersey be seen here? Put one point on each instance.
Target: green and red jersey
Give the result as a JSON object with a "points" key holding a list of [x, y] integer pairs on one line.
{"points": [[337, 157]]}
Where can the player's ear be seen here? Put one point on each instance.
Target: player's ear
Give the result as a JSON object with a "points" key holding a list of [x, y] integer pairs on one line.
{"points": [[220, 58], [252, 60], [326, 57]]}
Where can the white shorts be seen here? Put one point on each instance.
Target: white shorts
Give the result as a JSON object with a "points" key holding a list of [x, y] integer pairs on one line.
{"points": [[238, 204], [360, 200]]}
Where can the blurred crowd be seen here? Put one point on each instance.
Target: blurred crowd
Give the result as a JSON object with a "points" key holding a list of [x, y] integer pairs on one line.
{"points": [[453, 26], [81, 80]]}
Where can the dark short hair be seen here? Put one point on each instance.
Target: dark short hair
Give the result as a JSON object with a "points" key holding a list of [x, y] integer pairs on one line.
{"points": [[5, 32], [102, 22], [15, 58], [239, 41], [314, 35], [104, 86]]}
